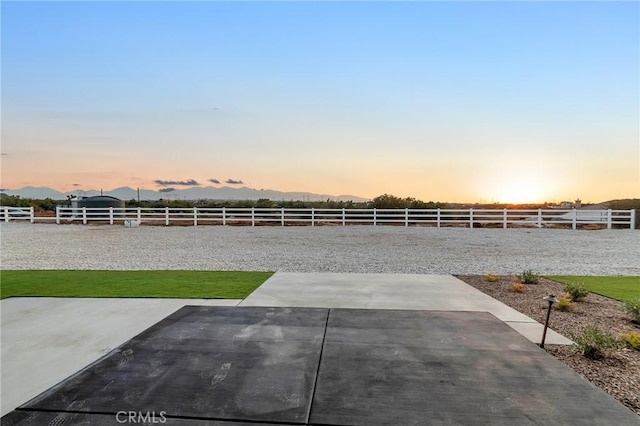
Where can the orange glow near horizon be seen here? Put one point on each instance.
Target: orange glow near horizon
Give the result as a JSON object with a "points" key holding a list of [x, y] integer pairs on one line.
{"points": [[519, 193], [515, 186], [424, 180]]}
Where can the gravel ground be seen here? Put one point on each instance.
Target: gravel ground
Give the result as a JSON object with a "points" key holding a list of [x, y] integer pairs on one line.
{"points": [[618, 373], [383, 249]]}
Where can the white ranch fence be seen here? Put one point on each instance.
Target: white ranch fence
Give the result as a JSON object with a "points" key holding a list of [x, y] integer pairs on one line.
{"points": [[256, 216]]}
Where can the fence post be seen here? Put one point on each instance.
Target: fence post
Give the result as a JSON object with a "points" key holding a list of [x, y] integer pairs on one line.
{"points": [[282, 216], [195, 216], [471, 218], [406, 217], [505, 221], [84, 215], [6, 214], [633, 219], [31, 214], [139, 214], [539, 218], [166, 216], [343, 218], [574, 221], [57, 215], [375, 217], [253, 216], [438, 218], [110, 215], [313, 216], [224, 216], [609, 219]]}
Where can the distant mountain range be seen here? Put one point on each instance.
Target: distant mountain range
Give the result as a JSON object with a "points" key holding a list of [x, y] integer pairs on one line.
{"points": [[194, 193]]}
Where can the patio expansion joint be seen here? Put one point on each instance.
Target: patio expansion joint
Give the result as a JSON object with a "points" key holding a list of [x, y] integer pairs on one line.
{"points": [[317, 373]]}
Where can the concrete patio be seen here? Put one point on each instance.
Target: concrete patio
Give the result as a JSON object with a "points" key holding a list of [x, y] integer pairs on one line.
{"points": [[45, 340], [391, 291], [225, 366]]}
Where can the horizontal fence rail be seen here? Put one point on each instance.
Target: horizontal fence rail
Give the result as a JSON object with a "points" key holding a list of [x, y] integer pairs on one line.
{"points": [[15, 214], [258, 216]]}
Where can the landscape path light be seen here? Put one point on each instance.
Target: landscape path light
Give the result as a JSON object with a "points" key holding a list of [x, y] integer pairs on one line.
{"points": [[551, 299]]}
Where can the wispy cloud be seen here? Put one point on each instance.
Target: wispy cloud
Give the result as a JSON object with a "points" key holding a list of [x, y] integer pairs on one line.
{"points": [[166, 189], [233, 182], [4, 153], [213, 181], [76, 184], [205, 110], [190, 182]]}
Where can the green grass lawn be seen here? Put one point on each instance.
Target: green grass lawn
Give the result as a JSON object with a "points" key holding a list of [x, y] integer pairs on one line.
{"points": [[174, 284], [619, 288]]}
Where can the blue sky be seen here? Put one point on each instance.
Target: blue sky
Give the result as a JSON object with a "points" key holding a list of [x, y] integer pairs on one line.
{"points": [[452, 101]]}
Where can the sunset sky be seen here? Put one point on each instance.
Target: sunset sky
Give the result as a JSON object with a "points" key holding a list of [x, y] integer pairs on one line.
{"points": [[442, 101]]}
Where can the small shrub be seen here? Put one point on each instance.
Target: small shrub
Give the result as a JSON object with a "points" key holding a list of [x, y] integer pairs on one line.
{"points": [[518, 288], [633, 307], [577, 291], [528, 277], [564, 303], [632, 338], [593, 343], [491, 277]]}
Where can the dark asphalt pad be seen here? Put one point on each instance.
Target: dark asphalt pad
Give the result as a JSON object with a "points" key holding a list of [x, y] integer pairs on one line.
{"points": [[44, 418], [221, 363], [228, 366], [445, 368]]}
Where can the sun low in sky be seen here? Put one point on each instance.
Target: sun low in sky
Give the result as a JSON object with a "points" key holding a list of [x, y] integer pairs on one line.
{"points": [[443, 101]]}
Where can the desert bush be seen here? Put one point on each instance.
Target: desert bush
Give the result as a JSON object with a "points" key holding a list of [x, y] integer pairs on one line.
{"points": [[633, 307], [387, 201], [632, 338], [491, 277], [564, 303], [577, 291], [528, 277], [518, 288], [594, 343]]}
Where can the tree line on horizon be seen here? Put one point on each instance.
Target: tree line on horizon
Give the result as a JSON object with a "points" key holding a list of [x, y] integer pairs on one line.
{"points": [[381, 201], [384, 201]]}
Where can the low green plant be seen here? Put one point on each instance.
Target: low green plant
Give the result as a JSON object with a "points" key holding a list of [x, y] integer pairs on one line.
{"points": [[564, 303], [577, 291], [594, 343], [633, 307], [528, 277], [632, 338]]}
